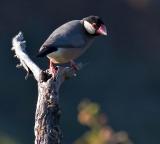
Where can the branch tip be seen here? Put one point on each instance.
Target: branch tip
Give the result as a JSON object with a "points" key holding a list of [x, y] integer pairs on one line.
{"points": [[19, 65]]}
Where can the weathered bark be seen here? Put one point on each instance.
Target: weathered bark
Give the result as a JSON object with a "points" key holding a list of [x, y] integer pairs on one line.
{"points": [[47, 129]]}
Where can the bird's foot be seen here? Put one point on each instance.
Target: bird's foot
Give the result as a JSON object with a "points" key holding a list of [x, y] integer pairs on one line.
{"points": [[53, 68], [74, 66]]}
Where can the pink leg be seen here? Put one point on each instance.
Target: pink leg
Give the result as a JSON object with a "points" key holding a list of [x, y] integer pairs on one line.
{"points": [[52, 67], [74, 65]]}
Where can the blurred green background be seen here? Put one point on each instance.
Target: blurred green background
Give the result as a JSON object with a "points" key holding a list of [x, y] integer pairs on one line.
{"points": [[123, 74]]}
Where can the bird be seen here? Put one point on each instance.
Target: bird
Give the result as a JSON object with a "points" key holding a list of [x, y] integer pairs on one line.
{"points": [[71, 40]]}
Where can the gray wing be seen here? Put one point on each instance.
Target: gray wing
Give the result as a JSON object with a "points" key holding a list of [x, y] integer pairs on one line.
{"points": [[69, 35]]}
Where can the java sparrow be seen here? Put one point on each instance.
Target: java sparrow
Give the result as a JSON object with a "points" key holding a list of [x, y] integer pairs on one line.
{"points": [[71, 40]]}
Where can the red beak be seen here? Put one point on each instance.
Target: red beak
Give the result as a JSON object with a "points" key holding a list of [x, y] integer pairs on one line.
{"points": [[102, 30]]}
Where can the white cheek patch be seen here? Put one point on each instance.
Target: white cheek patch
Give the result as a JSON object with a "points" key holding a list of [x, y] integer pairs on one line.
{"points": [[89, 28]]}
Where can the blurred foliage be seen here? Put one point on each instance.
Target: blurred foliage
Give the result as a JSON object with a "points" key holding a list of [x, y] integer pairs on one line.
{"points": [[99, 131], [5, 139]]}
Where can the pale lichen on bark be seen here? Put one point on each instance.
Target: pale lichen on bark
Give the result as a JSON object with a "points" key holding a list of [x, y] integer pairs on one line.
{"points": [[47, 129]]}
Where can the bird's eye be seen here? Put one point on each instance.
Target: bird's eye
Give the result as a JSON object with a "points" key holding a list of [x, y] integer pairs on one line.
{"points": [[95, 25]]}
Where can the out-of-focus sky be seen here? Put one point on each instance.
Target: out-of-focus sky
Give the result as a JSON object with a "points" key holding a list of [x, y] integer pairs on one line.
{"points": [[123, 73]]}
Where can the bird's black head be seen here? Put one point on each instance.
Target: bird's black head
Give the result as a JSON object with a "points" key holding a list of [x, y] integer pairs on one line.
{"points": [[94, 25]]}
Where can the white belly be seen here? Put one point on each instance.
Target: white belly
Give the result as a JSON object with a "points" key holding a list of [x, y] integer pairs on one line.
{"points": [[64, 55]]}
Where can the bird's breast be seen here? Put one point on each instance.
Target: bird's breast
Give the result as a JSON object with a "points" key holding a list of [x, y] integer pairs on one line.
{"points": [[64, 55]]}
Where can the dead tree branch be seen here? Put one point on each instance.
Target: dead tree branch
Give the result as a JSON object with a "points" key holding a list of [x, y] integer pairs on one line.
{"points": [[47, 129]]}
